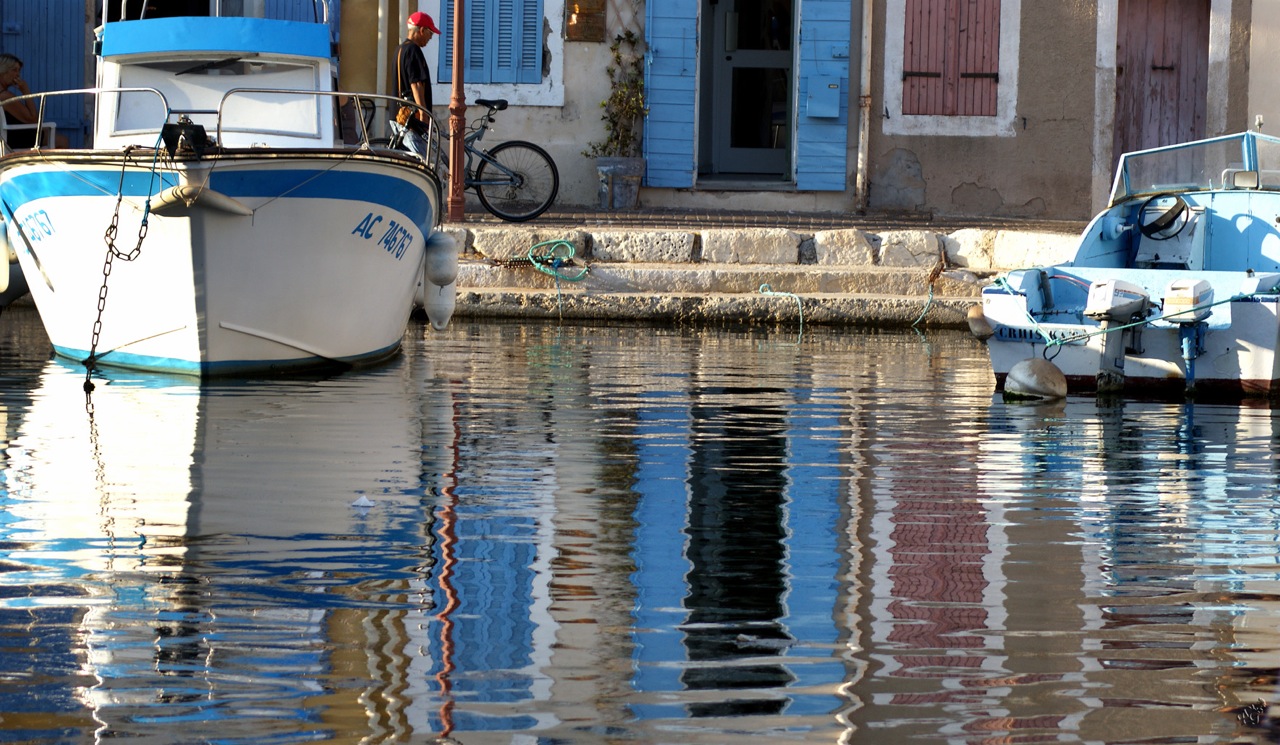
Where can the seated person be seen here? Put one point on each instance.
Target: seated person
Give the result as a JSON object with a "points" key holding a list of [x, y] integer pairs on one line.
{"points": [[21, 112]]}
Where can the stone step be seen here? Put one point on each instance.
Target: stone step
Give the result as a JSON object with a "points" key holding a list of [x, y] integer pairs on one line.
{"points": [[684, 278]]}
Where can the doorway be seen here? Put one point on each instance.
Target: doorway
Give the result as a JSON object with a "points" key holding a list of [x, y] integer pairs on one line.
{"points": [[1162, 60], [747, 109]]}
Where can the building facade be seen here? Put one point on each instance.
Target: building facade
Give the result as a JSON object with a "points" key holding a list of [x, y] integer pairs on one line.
{"points": [[1011, 108]]}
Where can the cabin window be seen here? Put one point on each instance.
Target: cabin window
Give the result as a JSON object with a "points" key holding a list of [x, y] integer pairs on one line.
{"points": [[195, 87], [951, 57], [503, 42]]}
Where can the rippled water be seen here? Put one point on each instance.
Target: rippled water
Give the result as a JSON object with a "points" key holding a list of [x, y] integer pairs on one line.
{"points": [[589, 535]]}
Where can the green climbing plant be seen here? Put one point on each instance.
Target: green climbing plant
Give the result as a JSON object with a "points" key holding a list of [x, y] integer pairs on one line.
{"points": [[624, 109]]}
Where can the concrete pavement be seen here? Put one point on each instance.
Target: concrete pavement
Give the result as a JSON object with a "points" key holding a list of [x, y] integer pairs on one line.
{"points": [[731, 266]]}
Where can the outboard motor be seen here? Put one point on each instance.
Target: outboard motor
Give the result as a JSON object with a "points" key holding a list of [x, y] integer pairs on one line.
{"points": [[1188, 302], [1117, 305]]}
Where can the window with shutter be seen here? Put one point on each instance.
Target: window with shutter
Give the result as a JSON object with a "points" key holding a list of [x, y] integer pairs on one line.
{"points": [[503, 41], [951, 57]]}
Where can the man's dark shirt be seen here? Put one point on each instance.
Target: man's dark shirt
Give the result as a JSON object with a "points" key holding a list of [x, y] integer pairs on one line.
{"points": [[413, 69]]}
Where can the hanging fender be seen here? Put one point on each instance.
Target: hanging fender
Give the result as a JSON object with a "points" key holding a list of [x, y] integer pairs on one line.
{"points": [[441, 260]]}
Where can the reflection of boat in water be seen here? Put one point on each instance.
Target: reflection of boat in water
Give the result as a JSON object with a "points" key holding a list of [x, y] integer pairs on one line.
{"points": [[243, 234], [1174, 287], [203, 529]]}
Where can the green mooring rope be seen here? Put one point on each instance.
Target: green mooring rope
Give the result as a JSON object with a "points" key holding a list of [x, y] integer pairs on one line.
{"points": [[554, 255], [767, 290], [548, 257]]}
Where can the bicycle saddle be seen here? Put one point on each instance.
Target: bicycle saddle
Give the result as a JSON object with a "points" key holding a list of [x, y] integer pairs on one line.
{"points": [[497, 104]]}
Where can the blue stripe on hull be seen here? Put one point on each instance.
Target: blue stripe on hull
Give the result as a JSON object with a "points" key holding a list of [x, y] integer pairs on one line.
{"points": [[388, 191], [228, 368]]}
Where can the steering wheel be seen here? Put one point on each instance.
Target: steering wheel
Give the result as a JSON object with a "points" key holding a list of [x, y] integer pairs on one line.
{"points": [[1156, 229]]}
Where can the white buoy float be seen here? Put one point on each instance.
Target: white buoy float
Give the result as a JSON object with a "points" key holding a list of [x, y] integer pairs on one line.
{"points": [[7, 256], [437, 288], [979, 326], [1035, 378], [439, 303], [441, 261]]}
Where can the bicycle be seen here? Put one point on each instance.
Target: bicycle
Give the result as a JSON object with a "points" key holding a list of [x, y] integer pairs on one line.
{"points": [[516, 180]]}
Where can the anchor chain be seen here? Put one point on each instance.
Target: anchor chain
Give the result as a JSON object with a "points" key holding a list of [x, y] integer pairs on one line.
{"points": [[112, 254]]}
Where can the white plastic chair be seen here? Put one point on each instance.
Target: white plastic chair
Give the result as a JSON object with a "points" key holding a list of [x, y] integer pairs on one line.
{"points": [[48, 130]]}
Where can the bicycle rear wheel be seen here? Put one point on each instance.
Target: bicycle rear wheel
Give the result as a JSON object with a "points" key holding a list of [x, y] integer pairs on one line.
{"points": [[520, 183]]}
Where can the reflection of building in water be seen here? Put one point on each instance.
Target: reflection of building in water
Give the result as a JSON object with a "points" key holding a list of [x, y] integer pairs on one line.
{"points": [[742, 523], [736, 546], [686, 536], [937, 578]]}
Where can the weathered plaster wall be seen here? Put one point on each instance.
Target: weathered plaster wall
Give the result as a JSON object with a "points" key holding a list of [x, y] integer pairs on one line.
{"points": [[1264, 94], [1041, 169]]}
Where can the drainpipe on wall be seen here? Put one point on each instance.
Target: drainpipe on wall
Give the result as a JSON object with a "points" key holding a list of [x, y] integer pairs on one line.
{"points": [[861, 187], [380, 82]]}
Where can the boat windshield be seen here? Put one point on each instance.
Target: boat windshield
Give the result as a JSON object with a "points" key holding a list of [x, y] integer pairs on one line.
{"points": [[1198, 166]]}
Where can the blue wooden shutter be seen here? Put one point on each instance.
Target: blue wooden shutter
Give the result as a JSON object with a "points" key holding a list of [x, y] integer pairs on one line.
{"points": [[671, 35], [821, 139], [50, 43], [503, 41]]}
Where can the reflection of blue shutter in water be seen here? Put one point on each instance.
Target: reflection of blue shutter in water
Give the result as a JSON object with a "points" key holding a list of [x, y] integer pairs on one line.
{"points": [[671, 33], [821, 138], [503, 44], [663, 449]]}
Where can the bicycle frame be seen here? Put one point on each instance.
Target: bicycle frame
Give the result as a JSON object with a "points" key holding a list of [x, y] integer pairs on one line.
{"points": [[469, 146]]}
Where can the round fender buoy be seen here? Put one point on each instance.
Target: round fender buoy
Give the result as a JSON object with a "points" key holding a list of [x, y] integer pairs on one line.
{"points": [[1035, 378], [439, 304], [978, 323], [7, 256], [441, 261]]}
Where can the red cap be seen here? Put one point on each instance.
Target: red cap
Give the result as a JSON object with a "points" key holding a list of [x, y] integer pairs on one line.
{"points": [[422, 20]]}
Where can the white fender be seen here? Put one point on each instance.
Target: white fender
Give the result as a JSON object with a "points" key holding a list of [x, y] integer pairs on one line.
{"points": [[1035, 378], [439, 304], [441, 263], [7, 255]]}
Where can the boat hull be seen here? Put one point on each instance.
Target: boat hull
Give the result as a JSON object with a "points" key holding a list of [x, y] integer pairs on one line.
{"points": [[1234, 352], [246, 264]]}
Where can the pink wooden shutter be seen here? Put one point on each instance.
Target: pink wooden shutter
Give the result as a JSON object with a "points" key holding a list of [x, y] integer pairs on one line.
{"points": [[951, 57], [922, 63], [978, 57]]}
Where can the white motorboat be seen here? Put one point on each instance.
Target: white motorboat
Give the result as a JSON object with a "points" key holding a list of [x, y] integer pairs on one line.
{"points": [[245, 232], [1174, 289]]}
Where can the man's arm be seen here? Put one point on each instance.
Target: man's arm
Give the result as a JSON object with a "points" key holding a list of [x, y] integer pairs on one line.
{"points": [[420, 97]]}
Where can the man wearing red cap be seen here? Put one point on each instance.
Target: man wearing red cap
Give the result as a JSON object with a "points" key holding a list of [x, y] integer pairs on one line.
{"points": [[413, 77]]}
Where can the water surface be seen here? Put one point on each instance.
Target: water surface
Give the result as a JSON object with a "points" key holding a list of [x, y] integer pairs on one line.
{"points": [[524, 533]]}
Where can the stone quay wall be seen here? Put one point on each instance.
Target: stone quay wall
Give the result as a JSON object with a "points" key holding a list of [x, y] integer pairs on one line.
{"points": [[743, 275]]}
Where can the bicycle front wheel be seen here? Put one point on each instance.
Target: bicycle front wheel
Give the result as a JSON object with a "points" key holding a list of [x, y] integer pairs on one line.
{"points": [[519, 182]]}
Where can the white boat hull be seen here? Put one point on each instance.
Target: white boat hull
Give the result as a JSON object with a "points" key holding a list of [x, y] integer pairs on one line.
{"points": [[280, 263], [1237, 350]]}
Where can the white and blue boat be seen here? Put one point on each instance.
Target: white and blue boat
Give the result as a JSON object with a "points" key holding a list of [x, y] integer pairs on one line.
{"points": [[1175, 287], [222, 222]]}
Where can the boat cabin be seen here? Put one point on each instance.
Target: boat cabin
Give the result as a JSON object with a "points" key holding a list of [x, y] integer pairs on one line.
{"points": [[1206, 206], [239, 81]]}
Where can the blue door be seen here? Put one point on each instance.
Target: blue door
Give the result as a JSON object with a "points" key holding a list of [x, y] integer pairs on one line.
{"points": [[51, 44], [816, 95]]}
